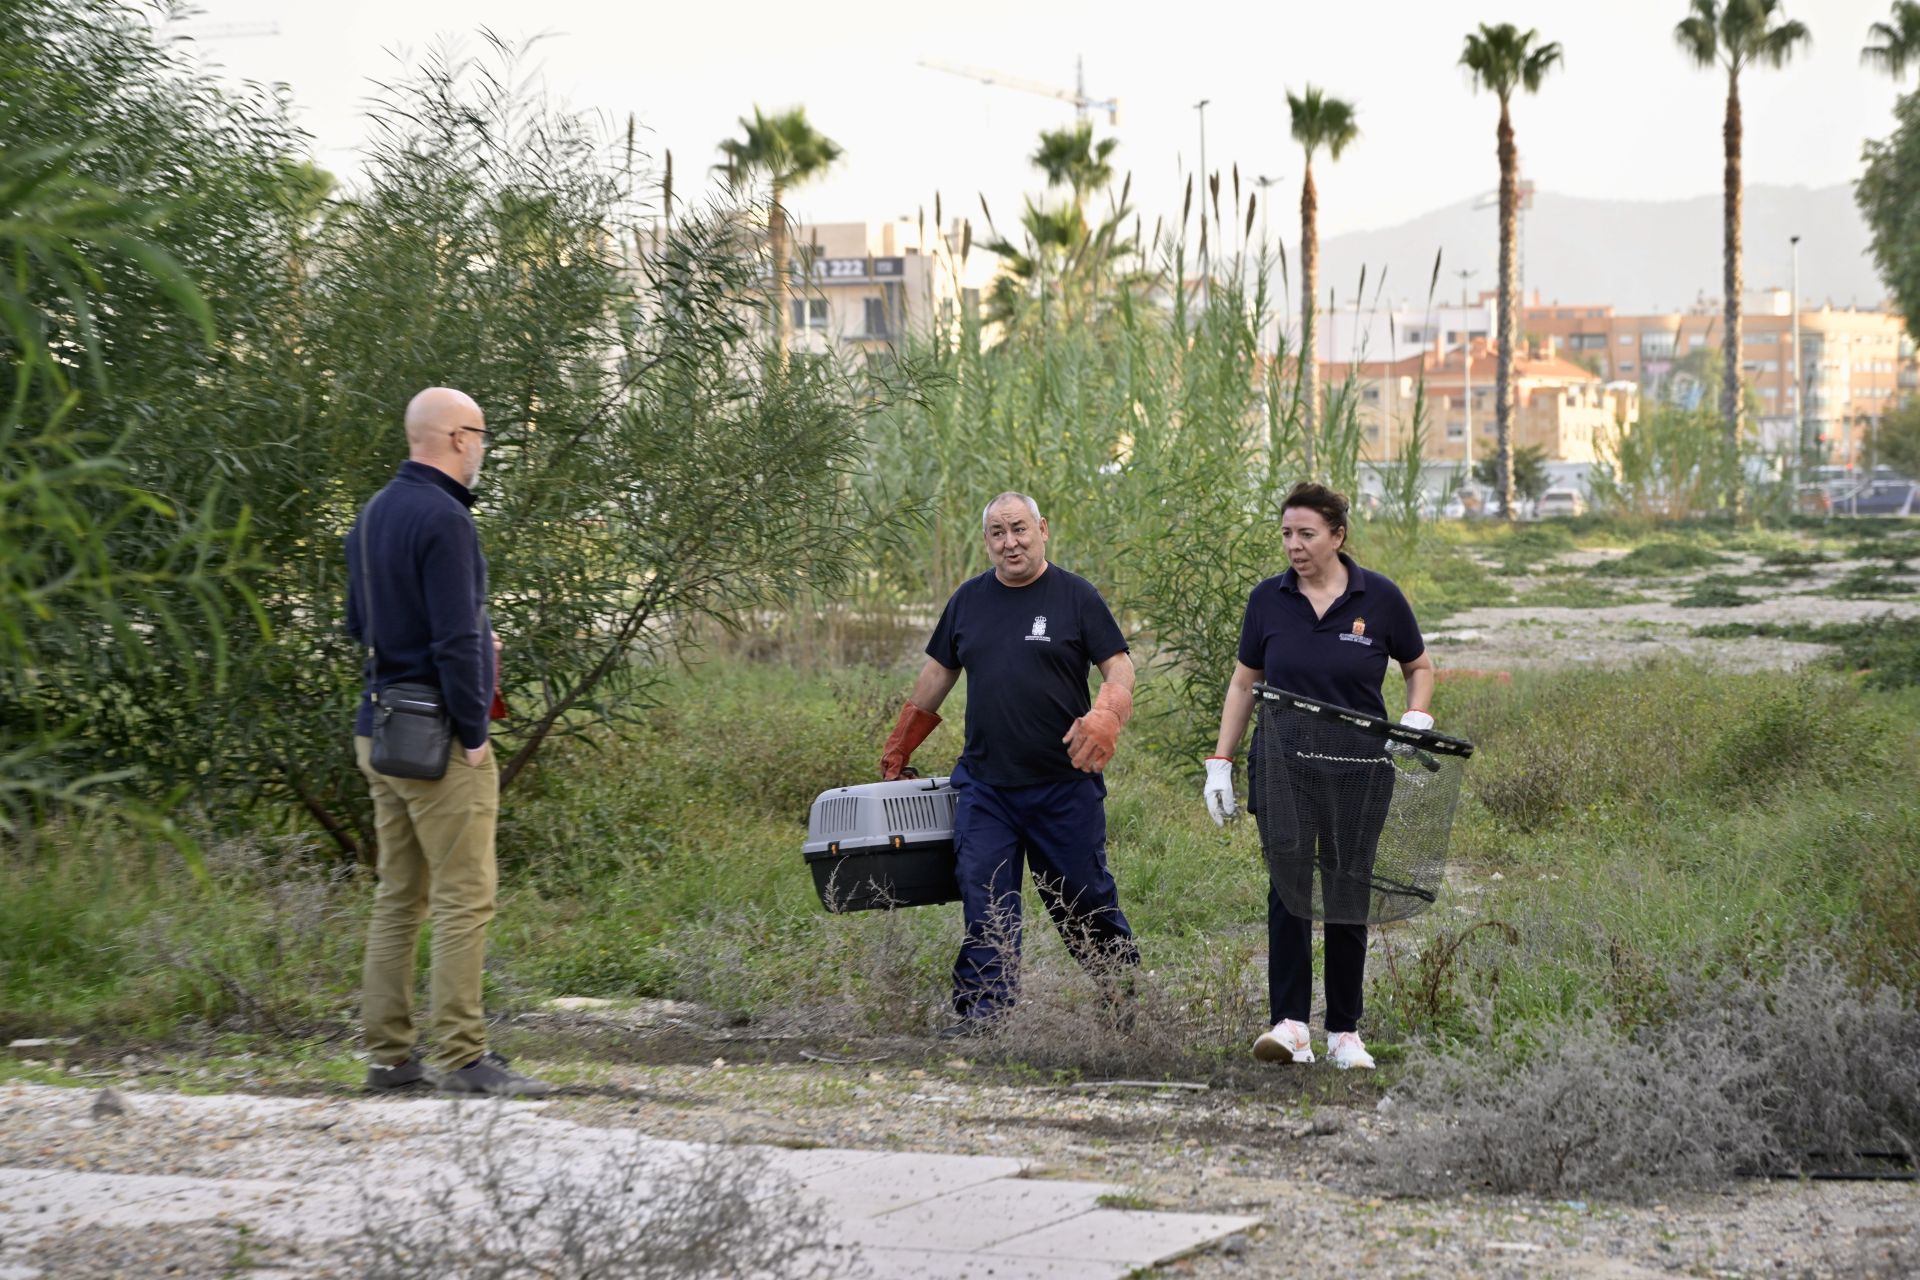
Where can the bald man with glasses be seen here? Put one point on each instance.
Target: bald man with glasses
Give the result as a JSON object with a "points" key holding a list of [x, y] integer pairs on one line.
{"points": [[417, 598]]}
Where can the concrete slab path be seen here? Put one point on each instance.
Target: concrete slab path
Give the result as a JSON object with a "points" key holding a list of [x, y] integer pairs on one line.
{"points": [[888, 1215]]}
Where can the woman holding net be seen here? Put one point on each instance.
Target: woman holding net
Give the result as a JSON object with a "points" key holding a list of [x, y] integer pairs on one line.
{"points": [[1324, 629]]}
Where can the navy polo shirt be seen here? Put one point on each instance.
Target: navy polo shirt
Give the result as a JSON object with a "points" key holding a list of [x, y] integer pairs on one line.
{"points": [[1340, 657], [1026, 651]]}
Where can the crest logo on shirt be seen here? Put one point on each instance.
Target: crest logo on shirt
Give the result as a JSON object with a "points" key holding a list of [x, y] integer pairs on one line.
{"points": [[1359, 626], [1359, 634], [1039, 631]]}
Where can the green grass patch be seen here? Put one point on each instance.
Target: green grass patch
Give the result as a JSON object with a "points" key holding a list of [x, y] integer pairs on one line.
{"points": [[1884, 650], [1527, 546], [1871, 582], [1795, 556], [1715, 591], [1660, 559], [1439, 578], [1579, 593]]}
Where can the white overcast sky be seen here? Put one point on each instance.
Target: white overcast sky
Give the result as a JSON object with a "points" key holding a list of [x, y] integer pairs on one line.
{"points": [[1627, 116]]}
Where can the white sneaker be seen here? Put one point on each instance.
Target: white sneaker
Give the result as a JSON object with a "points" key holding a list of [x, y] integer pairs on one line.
{"points": [[1287, 1042], [1347, 1052]]}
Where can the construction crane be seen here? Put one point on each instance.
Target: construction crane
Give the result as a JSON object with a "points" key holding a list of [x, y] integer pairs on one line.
{"points": [[1077, 95]]}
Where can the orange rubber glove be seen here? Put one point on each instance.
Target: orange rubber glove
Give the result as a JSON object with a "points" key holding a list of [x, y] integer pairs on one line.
{"points": [[1091, 739], [909, 731]]}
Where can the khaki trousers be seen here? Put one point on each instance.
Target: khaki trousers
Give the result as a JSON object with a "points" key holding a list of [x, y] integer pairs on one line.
{"points": [[435, 858]]}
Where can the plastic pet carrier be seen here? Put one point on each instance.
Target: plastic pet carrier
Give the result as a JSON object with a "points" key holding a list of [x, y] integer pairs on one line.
{"points": [[883, 844]]}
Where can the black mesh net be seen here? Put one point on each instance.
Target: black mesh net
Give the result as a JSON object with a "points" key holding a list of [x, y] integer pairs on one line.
{"points": [[1365, 803]]}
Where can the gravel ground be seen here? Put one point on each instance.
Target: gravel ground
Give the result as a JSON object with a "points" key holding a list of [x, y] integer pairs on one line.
{"points": [[1522, 636], [1291, 1145]]}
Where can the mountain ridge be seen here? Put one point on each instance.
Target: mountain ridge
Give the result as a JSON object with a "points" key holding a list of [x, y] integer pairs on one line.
{"points": [[1637, 255]]}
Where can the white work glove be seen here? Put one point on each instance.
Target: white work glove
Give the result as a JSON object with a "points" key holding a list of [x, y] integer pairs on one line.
{"points": [[1219, 790], [1412, 720]]}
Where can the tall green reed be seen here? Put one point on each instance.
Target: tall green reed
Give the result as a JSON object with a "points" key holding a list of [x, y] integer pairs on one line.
{"points": [[1154, 410]]}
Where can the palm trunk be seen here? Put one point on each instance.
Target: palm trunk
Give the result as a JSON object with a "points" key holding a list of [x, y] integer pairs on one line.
{"points": [[777, 233], [1732, 350], [1309, 287], [1503, 379]]}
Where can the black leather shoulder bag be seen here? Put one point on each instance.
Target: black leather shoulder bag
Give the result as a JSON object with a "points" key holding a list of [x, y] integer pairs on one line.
{"points": [[412, 733]]}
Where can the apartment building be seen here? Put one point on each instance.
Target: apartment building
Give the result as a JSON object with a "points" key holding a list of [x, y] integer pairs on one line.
{"points": [[1852, 361], [867, 284], [1563, 408]]}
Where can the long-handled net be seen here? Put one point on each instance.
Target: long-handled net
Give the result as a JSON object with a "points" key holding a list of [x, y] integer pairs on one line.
{"points": [[1354, 811]]}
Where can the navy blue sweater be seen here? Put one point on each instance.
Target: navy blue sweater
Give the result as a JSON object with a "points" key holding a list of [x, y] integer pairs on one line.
{"points": [[429, 597]]}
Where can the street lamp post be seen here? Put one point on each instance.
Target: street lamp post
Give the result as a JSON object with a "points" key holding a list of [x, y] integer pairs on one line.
{"points": [[1466, 350], [1799, 420]]}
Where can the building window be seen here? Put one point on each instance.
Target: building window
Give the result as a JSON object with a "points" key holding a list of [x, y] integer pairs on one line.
{"points": [[1626, 366], [1762, 339], [1626, 339], [1655, 345], [1587, 342], [1696, 341], [809, 313], [877, 318]]}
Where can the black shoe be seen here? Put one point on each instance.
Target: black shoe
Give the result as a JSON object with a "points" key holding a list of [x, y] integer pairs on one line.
{"points": [[400, 1075], [489, 1074]]}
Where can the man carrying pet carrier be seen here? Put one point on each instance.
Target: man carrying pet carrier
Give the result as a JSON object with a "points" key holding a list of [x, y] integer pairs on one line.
{"points": [[1029, 777]]}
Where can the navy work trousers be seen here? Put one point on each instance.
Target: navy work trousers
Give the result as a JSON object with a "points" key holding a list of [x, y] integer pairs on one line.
{"points": [[1061, 827]]}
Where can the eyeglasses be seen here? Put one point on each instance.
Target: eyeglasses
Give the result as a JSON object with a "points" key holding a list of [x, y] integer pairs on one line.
{"points": [[485, 435]]}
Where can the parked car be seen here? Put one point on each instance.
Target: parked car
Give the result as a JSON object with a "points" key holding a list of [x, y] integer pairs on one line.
{"points": [[1560, 502], [1471, 501]]}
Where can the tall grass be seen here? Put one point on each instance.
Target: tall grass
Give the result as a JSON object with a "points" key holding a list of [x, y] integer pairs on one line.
{"points": [[1151, 394]]}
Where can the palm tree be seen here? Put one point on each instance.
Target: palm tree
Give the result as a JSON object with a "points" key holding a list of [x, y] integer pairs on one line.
{"points": [[1736, 34], [1501, 59], [1318, 121], [1899, 46], [1071, 158], [1063, 255], [786, 150]]}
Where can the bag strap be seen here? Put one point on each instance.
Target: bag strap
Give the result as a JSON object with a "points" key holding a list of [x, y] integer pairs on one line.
{"points": [[366, 592]]}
